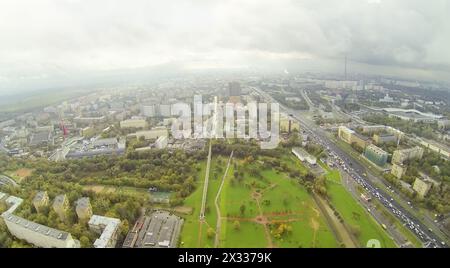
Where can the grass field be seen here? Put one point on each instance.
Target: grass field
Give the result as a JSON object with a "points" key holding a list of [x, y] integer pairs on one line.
{"points": [[20, 174], [189, 233], [271, 200], [98, 188], [354, 215]]}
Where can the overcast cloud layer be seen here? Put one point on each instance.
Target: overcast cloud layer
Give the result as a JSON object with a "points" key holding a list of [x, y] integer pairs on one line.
{"points": [[41, 39]]}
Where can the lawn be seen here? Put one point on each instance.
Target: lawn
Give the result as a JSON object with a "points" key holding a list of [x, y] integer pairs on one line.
{"points": [[354, 215], [189, 233], [282, 199], [253, 233]]}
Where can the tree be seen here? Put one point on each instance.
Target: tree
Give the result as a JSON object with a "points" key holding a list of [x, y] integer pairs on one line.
{"points": [[210, 232], [85, 242], [242, 209], [236, 225]]}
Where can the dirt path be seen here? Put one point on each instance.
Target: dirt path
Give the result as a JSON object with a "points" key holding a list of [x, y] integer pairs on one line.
{"points": [[216, 202], [263, 220]]}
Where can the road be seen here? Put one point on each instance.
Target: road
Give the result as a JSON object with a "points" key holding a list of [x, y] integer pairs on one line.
{"points": [[216, 203], [205, 184], [355, 169]]}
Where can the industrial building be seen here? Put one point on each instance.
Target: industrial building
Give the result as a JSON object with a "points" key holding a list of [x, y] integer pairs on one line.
{"points": [[151, 134], [108, 228], [303, 155], [376, 155], [133, 123], [41, 138], [105, 143], [288, 124], [159, 230]]}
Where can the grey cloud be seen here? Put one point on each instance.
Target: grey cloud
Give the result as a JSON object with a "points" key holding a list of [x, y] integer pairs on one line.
{"points": [[47, 37]]}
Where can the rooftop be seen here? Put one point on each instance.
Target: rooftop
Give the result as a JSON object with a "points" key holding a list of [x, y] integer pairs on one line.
{"points": [[36, 227], [39, 196], [109, 227], [59, 200], [83, 202]]}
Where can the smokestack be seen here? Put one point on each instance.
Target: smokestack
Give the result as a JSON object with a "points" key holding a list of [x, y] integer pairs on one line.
{"points": [[345, 68]]}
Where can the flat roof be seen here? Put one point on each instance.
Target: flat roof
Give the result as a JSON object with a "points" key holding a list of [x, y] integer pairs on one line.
{"points": [[109, 226], [36, 227]]}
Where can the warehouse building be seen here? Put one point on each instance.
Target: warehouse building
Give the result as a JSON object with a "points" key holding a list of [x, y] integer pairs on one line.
{"points": [[303, 155], [159, 230]]}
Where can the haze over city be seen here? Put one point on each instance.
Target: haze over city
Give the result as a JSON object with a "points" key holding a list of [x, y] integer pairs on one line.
{"points": [[47, 43]]}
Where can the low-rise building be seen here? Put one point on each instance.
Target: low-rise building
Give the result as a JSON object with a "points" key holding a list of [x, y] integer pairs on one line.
{"points": [[303, 155], [152, 134], [105, 143], [40, 200], [133, 123], [83, 209], [159, 230], [41, 138], [376, 155], [108, 228]]}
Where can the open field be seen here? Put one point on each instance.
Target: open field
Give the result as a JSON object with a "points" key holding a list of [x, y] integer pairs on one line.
{"points": [[270, 200], [20, 174], [256, 207], [98, 188]]}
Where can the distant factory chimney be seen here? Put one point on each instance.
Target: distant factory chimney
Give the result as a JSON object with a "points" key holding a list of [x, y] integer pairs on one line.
{"points": [[345, 68]]}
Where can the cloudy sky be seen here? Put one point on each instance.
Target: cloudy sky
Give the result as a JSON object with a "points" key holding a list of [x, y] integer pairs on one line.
{"points": [[40, 39]]}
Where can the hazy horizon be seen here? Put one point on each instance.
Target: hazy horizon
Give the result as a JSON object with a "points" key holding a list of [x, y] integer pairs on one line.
{"points": [[52, 43]]}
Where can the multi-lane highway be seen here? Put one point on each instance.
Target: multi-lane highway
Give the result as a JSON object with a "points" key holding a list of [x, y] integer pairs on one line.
{"points": [[356, 171]]}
